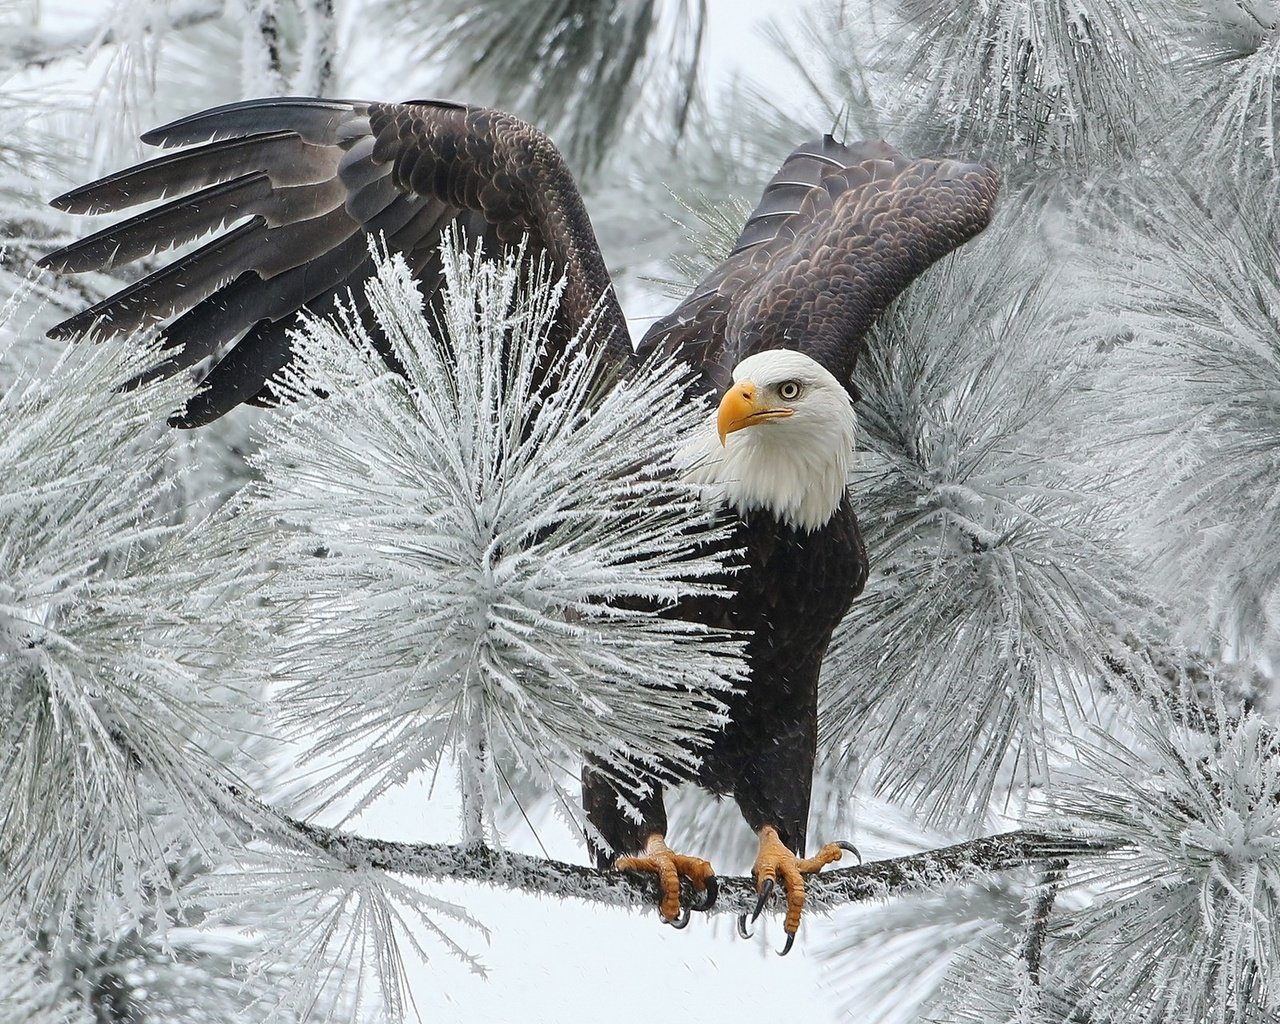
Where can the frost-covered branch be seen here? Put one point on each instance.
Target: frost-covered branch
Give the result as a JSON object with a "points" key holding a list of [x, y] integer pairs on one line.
{"points": [[315, 72], [875, 880], [1209, 695], [262, 53], [1039, 909]]}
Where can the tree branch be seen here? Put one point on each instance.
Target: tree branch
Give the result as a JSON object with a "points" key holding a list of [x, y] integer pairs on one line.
{"points": [[1203, 692], [264, 59], [1038, 917], [877, 880], [315, 71], [32, 48]]}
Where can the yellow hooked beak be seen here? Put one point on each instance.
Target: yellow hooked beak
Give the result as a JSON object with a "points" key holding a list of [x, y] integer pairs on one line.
{"points": [[742, 407]]}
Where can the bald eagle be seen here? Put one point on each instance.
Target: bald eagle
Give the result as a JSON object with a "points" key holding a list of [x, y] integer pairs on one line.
{"points": [[292, 187]]}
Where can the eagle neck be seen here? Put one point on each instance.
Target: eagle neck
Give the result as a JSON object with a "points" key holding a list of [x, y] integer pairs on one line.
{"points": [[800, 481]]}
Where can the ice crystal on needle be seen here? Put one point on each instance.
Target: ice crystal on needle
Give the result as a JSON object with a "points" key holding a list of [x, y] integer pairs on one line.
{"points": [[101, 715], [477, 566], [1194, 901]]}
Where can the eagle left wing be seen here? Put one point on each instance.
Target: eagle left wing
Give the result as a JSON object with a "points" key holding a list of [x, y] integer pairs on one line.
{"points": [[840, 231]]}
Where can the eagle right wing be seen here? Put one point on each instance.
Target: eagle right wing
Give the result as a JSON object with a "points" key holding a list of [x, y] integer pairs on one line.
{"points": [[302, 183], [840, 231]]}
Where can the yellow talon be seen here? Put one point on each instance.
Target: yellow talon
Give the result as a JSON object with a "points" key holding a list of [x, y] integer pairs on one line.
{"points": [[775, 864], [669, 866]]}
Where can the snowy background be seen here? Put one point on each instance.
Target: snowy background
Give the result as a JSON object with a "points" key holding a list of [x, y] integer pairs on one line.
{"points": [[1068, 478]]}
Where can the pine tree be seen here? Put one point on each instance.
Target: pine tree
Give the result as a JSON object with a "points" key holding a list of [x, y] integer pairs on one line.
{"points": [[1066, 475]]}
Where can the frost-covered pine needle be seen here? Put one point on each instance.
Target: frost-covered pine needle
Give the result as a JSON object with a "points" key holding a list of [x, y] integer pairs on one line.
{"points": [[991, 984], [470, 564], [993, 581], [1193, 300], [1067, 81], [587, 71], [192, 971], [887, 963], [102, 713], [343, 941], [1194, 903], [1235, 51]]}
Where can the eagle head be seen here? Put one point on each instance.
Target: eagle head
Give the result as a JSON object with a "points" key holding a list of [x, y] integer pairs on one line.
{"points": [[780, 441]]}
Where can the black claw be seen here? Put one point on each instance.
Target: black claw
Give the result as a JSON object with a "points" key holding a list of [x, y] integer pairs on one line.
{"points": [[791, 937], [852, 849], [742, 926], [708, 895], [682, 921], [763, 898]]}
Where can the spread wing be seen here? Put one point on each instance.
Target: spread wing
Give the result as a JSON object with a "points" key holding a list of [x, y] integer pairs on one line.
{"points": [[838, 233], [293, 187]]}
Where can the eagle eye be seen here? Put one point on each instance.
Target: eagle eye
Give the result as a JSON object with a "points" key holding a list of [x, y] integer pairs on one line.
{"points": [[789, 389]]}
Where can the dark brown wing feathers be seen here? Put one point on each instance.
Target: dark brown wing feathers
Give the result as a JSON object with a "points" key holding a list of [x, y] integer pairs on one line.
{"points": [[181, 221], [314, 178], [296, 186], [314, 120], [282, 155], [839, 232]]}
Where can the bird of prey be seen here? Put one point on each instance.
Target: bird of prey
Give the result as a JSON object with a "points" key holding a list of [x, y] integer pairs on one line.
{"points": [[292, 187]]}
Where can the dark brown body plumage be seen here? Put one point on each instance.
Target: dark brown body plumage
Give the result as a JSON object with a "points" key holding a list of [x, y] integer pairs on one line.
{"points": [[794, 589], [838, 233], [791, 591]]}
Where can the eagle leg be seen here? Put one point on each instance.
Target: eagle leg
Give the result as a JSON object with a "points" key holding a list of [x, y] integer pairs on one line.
{"points": [[670, 867], [775, 864]]}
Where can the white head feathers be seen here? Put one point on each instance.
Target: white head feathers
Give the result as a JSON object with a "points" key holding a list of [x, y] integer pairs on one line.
{"points": [[781, 440]]}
